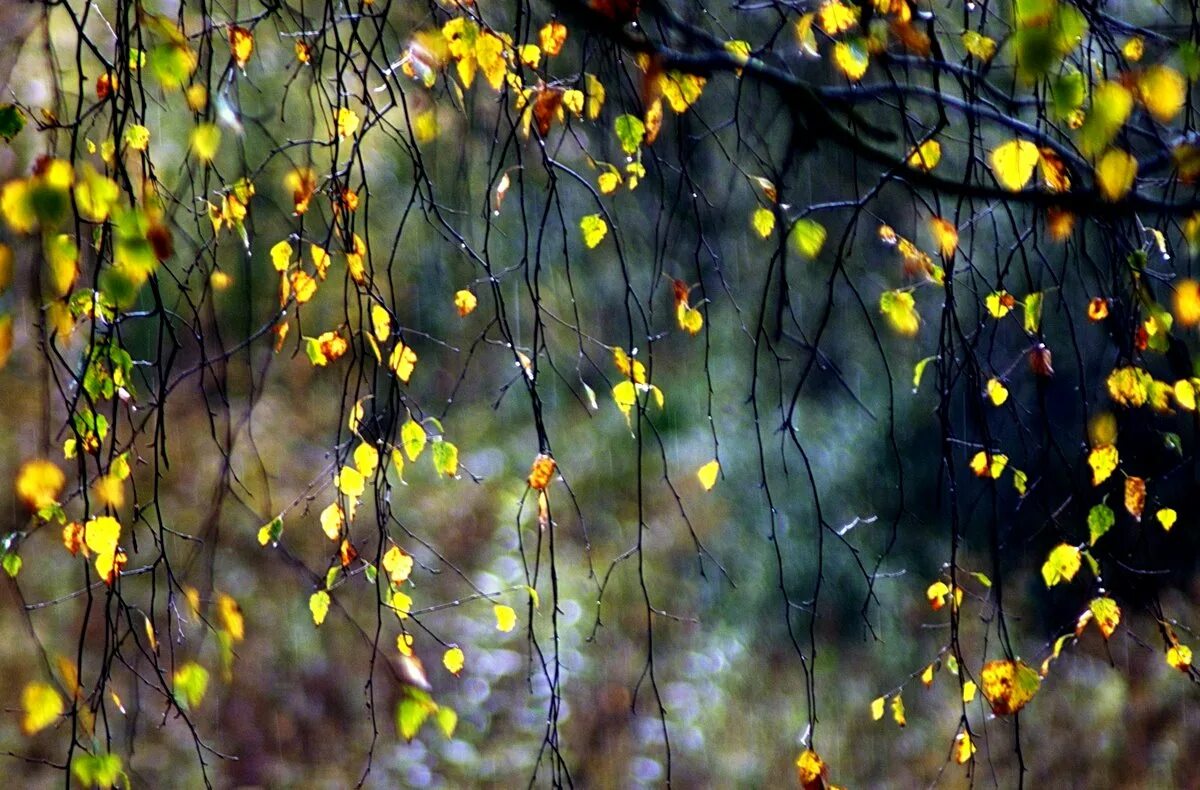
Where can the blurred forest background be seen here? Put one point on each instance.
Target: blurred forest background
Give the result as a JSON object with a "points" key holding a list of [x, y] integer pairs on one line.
{"points": [[819, 540]]}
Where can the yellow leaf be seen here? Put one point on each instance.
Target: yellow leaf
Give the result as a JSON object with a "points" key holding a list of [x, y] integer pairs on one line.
{"points": [[1135, 496], [1164, 92], [1187, 303], [303, 285], [999, 303], [936, 594], [333, 519], [489, 54], [927, 675], [1061, 565], [402, 361], [1134, 48], [925, 156], [594, 95], [1180, 657], [318, 606], [681, 90], [506, 617], [39, 482], [899, 308], [381, 322], [241, 44], [398, 565], [552, 36], [985, 464], [401, 603], [851, 59], [232, 619], [413, 438], [1008, 685], [877, 708], [763, 221], [1013, 163], [1103, 461], [945, 234], [608, 181], [625, 395], [968, 691], [41, 706], [1107, 615], [366, 459], [1166, 517], [898, 710], [630, 368], [206, 139], [347, 122], [979, 46], [350, 482], [690, 319], [465, 302], [996, 391], [101, 533], [707, 474], [811, 771], [594, 230], [137, 137], [835, 17], [453, 659], [281, 256], [963, 748], [805, 37], [1115, 173]]}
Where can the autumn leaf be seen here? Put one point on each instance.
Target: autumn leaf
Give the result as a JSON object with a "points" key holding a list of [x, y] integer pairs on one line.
{"points": [[999, 303], [594, 230], [1106, 614], [41, 706], [964, 749], [978, 46], [1135, 496], [898, 711], [551, 37], [1103, 461], [1115, 173], [877, 706], [707, 474], [464, 302], [1166, 518], [241, 44], [996, 392], [506, 618], [454, 660], [1013, 162], [899, 308], [413, 439], [1180, 657], [812, 771], [402, 361], [542, 472], [1061, 565], [39, 482], [925, 156], [318, 606], [1008, 685], [1186, 303], [1164, 92], [985, 464], [350, 482], [205, 140], [851, 58], [347, 122]]}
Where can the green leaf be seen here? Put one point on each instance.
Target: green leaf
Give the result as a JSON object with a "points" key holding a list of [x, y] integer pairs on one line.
{"points": [[1033, 312], [331, 576], [1100, 520], [919, 371], [271, 531], [191, 682], [630, 131], [807, 237], [445, 458], [99, 770], [371, 573], [447, 720], [412, 711], [11, 563], [413, 438], [12, 121]]}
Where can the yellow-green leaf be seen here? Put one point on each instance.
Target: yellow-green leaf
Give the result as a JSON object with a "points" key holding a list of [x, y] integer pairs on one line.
{"points": [[1061, 565], [318, 605], [594, 230]]}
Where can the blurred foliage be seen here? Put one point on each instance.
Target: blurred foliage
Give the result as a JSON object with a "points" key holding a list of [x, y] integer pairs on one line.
{"points": [[837, 322]]}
